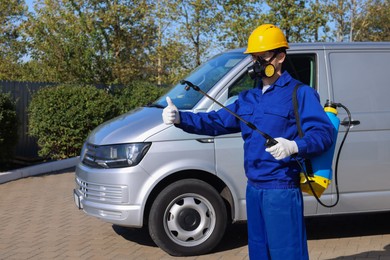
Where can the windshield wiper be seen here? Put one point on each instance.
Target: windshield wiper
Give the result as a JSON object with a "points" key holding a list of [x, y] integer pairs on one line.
{"points": [[155, 105]]}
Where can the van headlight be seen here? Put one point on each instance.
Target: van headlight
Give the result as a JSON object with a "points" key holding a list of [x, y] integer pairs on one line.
{"points": [[113, 156]]}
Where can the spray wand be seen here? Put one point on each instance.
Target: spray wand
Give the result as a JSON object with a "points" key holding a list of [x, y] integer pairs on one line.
{"points": [[270, 141]]}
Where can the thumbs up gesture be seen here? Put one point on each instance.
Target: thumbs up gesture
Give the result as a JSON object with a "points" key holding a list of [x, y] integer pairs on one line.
{"points": [[170, 114]]}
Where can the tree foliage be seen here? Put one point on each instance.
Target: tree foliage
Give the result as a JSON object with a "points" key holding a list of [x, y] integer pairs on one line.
{"points": [[90, 41], [9, 127], [197, 22], [119, 41], [12, 14], [300, 20], [239, 18], [167, 62], [373, 23], [341, 13], [62, 117], [136, 94], [143, 43], [359, 20]]}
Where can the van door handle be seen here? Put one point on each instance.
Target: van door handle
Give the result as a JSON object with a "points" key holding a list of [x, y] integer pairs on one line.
{"points": [[345, 122], [205, 140]]}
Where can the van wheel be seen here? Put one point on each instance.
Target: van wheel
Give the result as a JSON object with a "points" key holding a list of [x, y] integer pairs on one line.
{"points": [[187, 218]]}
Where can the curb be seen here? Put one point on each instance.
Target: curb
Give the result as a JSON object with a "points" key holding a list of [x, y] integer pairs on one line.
{"points": [[38, 169]]}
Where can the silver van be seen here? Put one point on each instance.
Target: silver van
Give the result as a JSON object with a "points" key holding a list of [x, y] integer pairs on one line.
{"points": [[136, 171]]}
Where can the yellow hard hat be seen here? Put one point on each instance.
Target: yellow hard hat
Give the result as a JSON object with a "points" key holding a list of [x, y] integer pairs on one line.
{"points": [[266, 37]]}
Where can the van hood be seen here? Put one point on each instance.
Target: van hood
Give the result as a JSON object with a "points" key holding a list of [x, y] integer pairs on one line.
{"points": [[134, 126]]}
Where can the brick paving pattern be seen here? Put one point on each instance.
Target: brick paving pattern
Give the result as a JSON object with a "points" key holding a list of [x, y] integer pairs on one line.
{"points": [[38, 220]]}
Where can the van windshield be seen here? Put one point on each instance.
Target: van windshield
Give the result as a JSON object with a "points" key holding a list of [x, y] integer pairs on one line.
{"points": [[205, 77]]}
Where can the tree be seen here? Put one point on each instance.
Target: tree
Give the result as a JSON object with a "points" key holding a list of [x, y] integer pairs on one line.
{"points": [[61, 117], [239, 19], [300, 20], [119, 41], [360, 20], [12, 14], [373, 23], [339, 14], [89, 41], [9, 127], [197, 23], [166, 65]]}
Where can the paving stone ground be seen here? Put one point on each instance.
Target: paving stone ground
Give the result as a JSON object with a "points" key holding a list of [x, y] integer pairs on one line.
{"points": [[38, 220]]}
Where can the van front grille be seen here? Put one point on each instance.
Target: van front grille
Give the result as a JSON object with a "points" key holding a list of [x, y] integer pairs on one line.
{"points": [[112, 194]]}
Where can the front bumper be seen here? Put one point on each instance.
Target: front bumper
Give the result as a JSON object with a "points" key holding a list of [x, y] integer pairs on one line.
{"points": [[113, 195]]}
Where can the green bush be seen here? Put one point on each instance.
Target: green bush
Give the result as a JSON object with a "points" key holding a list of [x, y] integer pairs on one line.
{"points": [[137, 94], [8, 127], [62, 117]]}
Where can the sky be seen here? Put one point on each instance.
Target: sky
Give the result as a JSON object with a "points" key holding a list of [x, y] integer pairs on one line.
{"points": [[30, 4]]}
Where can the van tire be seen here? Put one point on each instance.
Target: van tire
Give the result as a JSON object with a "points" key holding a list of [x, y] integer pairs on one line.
{"points": [[188, 217]]}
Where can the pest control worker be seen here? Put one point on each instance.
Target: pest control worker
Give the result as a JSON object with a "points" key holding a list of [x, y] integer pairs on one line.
{"points": [[276, 228]]}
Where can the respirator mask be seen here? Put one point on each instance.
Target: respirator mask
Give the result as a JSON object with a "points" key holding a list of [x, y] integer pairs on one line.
{"points": [[262, 68]]}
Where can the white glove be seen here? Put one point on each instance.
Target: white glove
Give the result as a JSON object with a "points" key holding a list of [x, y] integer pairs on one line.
{"points": [[283, 148], [170, 114]]}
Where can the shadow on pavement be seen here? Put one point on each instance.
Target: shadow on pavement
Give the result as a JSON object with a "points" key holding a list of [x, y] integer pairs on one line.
{"points": [[136, 235], [325, 227], [235, 236], [368, 255], [344, 226]]}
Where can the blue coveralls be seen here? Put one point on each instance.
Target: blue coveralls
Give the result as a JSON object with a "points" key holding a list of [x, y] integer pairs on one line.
{"points": [[276, 228]]}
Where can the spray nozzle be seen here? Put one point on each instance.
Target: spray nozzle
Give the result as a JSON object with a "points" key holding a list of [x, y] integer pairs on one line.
{"points": [[332, 104], [189, 85], [329, 103]]}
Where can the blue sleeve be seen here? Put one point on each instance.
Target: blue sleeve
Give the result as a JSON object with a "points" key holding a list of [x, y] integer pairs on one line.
{"points": [[316, 126], [212, 123]]}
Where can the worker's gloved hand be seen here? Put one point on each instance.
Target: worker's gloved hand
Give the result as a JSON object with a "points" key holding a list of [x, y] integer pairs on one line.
{"points": [[283, 148], [171, 114]]}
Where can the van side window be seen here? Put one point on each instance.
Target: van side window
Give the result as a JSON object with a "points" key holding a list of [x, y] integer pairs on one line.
{"points": [[243, 83], [301, 67]]}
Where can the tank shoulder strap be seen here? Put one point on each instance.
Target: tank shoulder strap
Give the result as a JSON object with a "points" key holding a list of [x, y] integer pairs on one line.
{"points": [[295, 104], [308, 165]]}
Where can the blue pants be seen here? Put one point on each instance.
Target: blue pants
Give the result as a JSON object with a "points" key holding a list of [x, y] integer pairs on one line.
{"points": [[276, 227]]}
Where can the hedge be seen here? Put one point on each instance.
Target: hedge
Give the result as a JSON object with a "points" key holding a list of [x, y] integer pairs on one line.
{"points": [[136, 94], [62, 117], [8, 127]]}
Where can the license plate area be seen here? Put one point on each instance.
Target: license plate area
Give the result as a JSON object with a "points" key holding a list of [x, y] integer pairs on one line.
{"points": [[77, 200]]}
